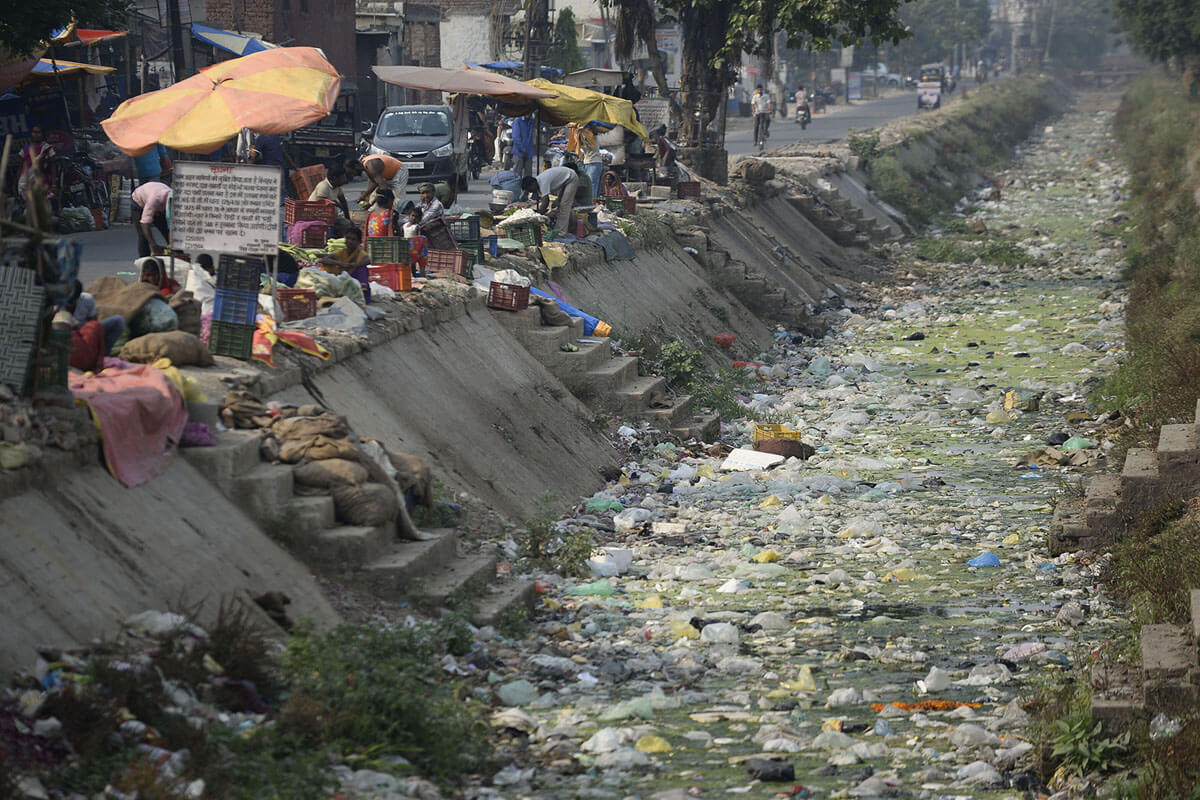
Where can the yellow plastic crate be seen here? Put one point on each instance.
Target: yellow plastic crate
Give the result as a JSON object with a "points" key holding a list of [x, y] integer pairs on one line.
{"points": [[762, 432]]}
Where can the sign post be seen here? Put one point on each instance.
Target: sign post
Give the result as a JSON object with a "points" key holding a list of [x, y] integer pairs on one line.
{"points": [[227, 208]]}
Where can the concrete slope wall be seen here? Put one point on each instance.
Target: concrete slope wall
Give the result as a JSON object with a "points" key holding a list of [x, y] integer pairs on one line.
{"points": [[468, 398], [662, 288], [812, 262], [80, 556]]}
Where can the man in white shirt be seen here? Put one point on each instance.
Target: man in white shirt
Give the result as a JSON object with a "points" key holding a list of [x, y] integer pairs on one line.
{"points": [[760, 106]]}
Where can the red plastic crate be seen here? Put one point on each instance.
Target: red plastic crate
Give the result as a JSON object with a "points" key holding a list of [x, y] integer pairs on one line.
{"points": [[306, 179], [297, 303], [397, 277], [303, 211], [447, 261], [507, 296]]}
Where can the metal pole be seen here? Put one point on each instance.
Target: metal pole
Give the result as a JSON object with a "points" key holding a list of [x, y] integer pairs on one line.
{"points": [[176, 29]]}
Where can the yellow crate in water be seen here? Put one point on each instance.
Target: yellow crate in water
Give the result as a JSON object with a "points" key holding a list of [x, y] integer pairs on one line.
{"points": [[763, 432]]}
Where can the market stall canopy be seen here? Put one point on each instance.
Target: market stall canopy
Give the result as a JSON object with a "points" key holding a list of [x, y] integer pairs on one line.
{"points": [[240, 44], [573, 104], [466, 81], [85, 36], [48, 68], [14, 72], [547, 72], [594, 76], [275, 91]]}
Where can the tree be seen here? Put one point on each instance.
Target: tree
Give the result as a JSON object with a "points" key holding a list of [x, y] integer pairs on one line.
{"points": [[1162, 29], [565, 54], [27, 31], [636, 22], [1077, 32], [938, 25], [717, 32]]}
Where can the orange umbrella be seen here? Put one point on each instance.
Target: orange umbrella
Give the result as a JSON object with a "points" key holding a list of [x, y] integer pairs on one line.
{"points": [[274, 91]]}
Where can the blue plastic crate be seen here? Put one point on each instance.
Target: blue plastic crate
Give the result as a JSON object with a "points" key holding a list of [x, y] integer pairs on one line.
{"points": [[237, 307]]}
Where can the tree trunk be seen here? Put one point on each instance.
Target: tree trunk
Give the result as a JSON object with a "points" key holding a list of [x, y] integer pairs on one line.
{"points": [[703, 86], [660, 78]]}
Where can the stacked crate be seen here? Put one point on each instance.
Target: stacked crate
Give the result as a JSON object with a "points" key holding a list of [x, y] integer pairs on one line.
{"points": [[466, 233], [235, 306]]}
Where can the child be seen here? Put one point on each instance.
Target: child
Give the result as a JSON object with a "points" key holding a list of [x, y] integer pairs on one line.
{"points": [[381, 218], [418, 245]]}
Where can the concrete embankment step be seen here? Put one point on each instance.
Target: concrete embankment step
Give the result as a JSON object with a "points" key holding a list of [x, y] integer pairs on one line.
{"points": [[675, 415], [263, 490], [307, 516], [348, 547], [391, 574], [505, 600], [1141, 466], [1169, 668], [456, 579], [235, 453], [635, 396], [705, 426], [571, 367], [611, 375]]}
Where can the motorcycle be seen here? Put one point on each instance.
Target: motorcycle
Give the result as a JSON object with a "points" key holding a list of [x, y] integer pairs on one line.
{"points": [[506, 147], [476, 153], [77, 184], [825, 97], [804, 114]]}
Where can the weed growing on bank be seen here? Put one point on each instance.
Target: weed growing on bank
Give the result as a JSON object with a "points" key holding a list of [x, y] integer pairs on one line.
{"points": [[976, 134], [1157, 127], [371, 693], [947, 250], [548, 546]]}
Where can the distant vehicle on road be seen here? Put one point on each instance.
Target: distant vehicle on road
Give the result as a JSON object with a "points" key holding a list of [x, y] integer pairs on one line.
{"points": [[423, 138], [931, 85]]}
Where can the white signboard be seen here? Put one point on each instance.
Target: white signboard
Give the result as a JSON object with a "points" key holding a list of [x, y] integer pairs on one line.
{"points": [[653, 112], [225, 208]]}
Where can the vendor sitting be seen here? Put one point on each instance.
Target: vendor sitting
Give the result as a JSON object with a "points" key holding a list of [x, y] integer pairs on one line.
{"points": [[89, 343], [351, 259], [612, 186], [331, 189], [153, 273], [381, 216], [431, 207]]}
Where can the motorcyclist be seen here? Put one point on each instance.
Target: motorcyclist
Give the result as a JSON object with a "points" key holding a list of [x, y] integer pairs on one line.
{"points": [[803, 110]]}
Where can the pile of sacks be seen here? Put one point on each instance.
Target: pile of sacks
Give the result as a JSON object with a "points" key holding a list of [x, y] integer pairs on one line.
{"points": [[370, 485], [49, 419]]}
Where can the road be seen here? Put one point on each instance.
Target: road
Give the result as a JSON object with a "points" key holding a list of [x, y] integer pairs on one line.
{"points": [[828, 127], [111, 251]]}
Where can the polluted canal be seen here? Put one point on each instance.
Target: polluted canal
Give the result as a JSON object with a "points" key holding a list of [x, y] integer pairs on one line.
{"points": [[874, 620]]}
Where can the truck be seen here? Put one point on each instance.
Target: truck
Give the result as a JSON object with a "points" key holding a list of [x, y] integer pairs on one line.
{"points": [[331, 139], [929, 88]]}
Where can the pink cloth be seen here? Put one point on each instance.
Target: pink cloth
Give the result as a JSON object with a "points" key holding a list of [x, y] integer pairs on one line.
{"points": [[141, 416], [296, 229]]}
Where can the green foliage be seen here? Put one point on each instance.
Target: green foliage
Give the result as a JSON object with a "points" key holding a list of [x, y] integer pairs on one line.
{"points": [[1168, 768], [1153, 567], [989, 251], [680, 364], [1081, 35], [565, 54], [1081, 748], [26, 32], [937, 25], [1156, 128], [565, 551], [373, 692], [1161, 29], [864, 144]]}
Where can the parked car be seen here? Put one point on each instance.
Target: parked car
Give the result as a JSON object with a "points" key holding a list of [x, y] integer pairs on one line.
{"points": [[423, 138]]}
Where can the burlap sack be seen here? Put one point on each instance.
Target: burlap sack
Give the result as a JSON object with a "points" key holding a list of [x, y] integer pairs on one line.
{"points": [[114, 297], [330, 473], [183, 348], [317, 448], [367, 504], [552, 314], [299, 428], [413, 473], [243, 410], [188, 309]]}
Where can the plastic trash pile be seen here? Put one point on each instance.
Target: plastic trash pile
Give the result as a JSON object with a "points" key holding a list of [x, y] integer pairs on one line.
{"points": [[868, 622]]}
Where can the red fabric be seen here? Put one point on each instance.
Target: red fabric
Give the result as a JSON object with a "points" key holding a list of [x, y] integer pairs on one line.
{"points": [[87, 347], [141, 417], [379, 223]]}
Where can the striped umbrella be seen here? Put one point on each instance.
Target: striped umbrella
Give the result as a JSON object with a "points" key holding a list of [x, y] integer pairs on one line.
{"points": [[274, 91], [237, 43]]}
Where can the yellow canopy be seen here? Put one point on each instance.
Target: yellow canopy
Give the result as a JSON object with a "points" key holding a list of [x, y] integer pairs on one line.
{"points": [[574, 104]]}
